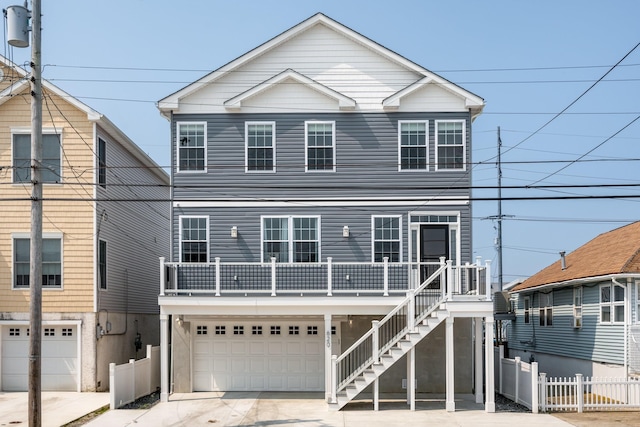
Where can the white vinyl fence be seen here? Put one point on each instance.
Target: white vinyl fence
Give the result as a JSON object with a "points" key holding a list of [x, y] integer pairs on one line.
{"points": [[134, 379], [520, 382]]}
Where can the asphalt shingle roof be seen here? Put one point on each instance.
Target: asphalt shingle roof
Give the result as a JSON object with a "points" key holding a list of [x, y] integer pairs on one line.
{"points": [[613, 252]]}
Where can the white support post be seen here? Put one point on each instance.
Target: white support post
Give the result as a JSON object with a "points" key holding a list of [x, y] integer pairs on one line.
{"points": [[443, 277], [386, 276], [543, 391], [162, 277], [489, 296], [478, 360], [449, 356], [449, 281], [411, 311], [375, 343], [329, 276], [217, 276], [534, 388], [580, 393], [112, 387], [490, 403], [334, 379], [411, 378], [467, 279], [516, 366], [327, 356], [273, 276], [376, 394], [164, 357], [500, 373]]}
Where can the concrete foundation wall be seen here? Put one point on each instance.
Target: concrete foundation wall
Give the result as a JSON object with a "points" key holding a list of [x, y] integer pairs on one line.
{"points": [[181, 356], [560, 366]]}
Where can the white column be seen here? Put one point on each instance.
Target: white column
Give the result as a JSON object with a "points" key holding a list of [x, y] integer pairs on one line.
{"points": [[450, 383], [478, 359], [376, 394], [490, 404], [164, 357], [411, 378], [327, 357]]}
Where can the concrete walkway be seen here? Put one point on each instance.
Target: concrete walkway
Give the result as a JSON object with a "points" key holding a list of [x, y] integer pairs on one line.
{"points": [[309, 409], [58, 408]]}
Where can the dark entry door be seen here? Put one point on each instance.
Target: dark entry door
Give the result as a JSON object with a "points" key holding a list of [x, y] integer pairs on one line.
{"points": [[434, 243]]}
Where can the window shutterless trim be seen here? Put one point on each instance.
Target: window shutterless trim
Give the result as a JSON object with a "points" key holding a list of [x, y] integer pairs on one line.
{"points": [[180, 241], [246, 146], [290, 236], [45, 131], [373, 235], [102, 162], [205, 147], [426, 145], [464, 146], [27, 236], [306, 145], [106, 265]]}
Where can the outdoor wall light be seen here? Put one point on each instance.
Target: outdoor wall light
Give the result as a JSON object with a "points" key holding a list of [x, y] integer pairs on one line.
{"points": [[345, 231], [234, 232]]}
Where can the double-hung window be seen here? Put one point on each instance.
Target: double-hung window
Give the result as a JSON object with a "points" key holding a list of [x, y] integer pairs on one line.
{"points": [[192, 147], [612, 303], [386, 238], [320, 142], [412, 139], [194, 239], [450, 145], [577, 307], [527, 309], [51, 263], [291, 239], [51, 149], [260, 140], [102, 163], [546, 309], [102, 264]]}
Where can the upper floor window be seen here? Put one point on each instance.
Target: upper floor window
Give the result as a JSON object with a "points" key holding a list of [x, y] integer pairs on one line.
{"points": [[51, 263], [450, 145], [611, 304], [413, 145], [194, 239], [102, 162], [260, 142], [102, 264], [546, 309], [577, 307], [51, 148], [192, 147], [320, 146], [291, 239], [386, 238], [527, 309]]}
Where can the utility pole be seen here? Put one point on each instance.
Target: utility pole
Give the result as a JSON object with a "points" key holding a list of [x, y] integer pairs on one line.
{"points": [[499, 212]]}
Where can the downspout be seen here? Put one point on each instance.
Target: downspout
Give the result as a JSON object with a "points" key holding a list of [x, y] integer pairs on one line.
{"points": [[626, 316]]}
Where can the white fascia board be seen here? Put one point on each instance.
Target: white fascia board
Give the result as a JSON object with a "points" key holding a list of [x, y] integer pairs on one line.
{"points": [[14, 89], [422, 203], [575, 282], [472, 102], [344, 102], [173, 100]]}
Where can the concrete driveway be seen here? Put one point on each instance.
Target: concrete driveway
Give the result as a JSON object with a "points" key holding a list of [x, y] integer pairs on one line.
{"points": [[309, 409]]}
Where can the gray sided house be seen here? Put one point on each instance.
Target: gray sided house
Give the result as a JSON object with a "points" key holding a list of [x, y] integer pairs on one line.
{"points": [[321, 226], [580, 314]]}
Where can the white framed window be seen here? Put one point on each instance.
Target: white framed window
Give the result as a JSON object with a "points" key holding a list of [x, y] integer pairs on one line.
{"points": [[527, 309], [320, 146], [637, 302], [546, 309], [413, 140], [611, 303], [577, 307], [291, 239], [102, 264], [191, 146], [386, 235], [102, 163], [260, 146], [450, 145], [51, 260], [51, 171], [194, 239]]}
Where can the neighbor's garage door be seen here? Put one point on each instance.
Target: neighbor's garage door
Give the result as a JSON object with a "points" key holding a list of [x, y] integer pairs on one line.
{"points": [[258, 356], [59, 358]]}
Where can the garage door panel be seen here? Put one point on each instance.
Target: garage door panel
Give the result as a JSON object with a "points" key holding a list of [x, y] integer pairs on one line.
{"points": [[257, 348], [275, 348], [294, 348], [201, 348], [220, 348], [238, 348]]}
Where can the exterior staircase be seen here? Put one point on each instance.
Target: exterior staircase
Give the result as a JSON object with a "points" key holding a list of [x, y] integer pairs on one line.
{"points": [[390, 339]]}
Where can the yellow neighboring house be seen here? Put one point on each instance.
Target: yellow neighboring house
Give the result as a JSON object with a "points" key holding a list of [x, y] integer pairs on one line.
{"points": [[105, 224]]}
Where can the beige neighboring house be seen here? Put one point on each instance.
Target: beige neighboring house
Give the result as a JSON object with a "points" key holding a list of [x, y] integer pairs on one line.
{"points": [[104, 226]]}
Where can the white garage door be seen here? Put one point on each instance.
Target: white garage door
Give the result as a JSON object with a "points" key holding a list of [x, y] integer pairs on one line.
{"points": [[258, 356], [59, 358]]}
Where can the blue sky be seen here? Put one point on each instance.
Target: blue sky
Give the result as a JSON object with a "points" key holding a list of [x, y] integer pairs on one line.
{"points": [[528, 60]]}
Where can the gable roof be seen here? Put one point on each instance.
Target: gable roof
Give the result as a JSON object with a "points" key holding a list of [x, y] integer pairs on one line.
{"points": [[92, 115], [474, 102], [611, 253]]}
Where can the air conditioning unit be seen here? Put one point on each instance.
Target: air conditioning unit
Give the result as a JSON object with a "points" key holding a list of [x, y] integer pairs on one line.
{"points": [[502, 303]]}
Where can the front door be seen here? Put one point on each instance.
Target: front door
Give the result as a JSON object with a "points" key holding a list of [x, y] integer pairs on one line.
{"points": [[434, 243]]}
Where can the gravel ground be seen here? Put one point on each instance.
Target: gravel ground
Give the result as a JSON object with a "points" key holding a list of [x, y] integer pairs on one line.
{"points": [[145, 402], [507, 405]]}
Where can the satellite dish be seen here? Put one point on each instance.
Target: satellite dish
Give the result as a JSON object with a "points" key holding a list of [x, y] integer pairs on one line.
{"points": [[18, 26]]}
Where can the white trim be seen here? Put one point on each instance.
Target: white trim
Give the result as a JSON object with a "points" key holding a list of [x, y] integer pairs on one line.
{"points": [[637, 302], [98, 169], [206, 218], [290, 233], [526, 310], [373, 235], [344, 102], [106, 284], [464, 145], [22, 130], [205, 147], [306, 144], [45, 235], [451, 226], [577, 319], [543, 309], [612, 304], [96, 223], [426, 145], [288, 203], [246, 145]]}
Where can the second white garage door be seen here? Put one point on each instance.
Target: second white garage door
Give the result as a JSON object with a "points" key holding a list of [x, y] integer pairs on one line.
{"points": [[258, 356]]}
